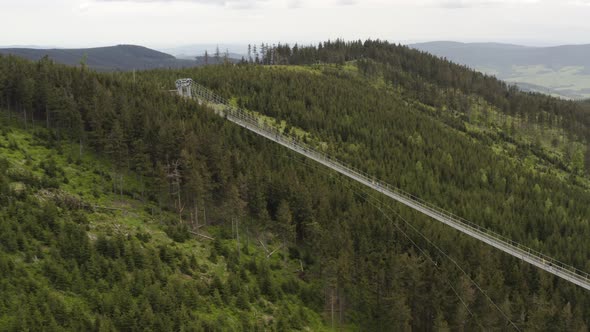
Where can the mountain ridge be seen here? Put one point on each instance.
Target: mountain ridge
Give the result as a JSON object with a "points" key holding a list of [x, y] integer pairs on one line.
{"points": [[562, 70], [122, 57], [516, 54]]}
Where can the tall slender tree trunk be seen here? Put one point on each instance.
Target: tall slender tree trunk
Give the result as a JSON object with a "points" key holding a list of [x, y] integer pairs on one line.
{"points": [[114, 182], [340, 306], [286, 251], [238, 235], [196, 216], [332, 308], [180, 208], [142, 186]]}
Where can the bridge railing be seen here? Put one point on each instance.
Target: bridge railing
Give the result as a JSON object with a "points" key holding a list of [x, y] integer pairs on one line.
{"points": [[251, 121]]}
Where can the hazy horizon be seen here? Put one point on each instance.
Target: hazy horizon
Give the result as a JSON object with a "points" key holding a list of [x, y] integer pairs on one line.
{"points": [[223, 44]]}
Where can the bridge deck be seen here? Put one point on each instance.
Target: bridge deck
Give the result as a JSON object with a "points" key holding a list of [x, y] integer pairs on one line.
{"points": [[517, 250]]}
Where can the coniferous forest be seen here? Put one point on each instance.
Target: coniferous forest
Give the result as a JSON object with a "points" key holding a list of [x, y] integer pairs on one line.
{"points": [[126, 207]]}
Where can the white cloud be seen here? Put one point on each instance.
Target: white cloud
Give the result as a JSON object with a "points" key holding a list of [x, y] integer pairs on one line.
{"points": [[457, 4], [347, 2], [217, 2], [234, 4], [294, 4], [580, 2]]}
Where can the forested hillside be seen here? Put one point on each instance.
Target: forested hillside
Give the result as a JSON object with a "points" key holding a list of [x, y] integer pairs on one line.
{"points": [[435, 81], [78, 255], [100, 234], [510, 161]]}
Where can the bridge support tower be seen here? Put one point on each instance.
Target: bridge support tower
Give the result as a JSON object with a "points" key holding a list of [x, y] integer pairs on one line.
{"points": [[184, 87]]}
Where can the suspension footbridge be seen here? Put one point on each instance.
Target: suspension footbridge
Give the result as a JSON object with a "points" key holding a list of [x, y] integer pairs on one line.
{"points": [[190, 89]]}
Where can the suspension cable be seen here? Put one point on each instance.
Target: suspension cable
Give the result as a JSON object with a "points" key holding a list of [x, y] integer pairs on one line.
{"points": [[368, 197]]}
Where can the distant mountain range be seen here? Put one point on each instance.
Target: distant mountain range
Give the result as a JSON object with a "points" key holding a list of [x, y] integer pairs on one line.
{"points": [[560, 70], [236, 51], [111, 58]]}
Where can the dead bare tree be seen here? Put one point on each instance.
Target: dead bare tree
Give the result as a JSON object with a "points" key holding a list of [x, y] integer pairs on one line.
{"points": [[174, 177]]}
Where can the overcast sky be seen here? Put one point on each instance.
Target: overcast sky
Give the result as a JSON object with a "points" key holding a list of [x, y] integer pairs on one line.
{"points": [[167, 23]]}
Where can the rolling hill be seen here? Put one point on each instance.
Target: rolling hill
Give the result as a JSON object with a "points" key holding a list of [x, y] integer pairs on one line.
{"points": [[562, 71], [111, 58]]}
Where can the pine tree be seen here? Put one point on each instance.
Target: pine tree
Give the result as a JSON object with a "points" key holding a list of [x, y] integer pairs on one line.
{"points": [[217, 55]]}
